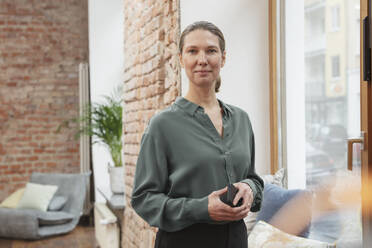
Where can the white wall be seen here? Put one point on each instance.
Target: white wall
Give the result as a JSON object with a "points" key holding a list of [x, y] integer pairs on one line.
{"points": [[106, 60], [245, 76]]}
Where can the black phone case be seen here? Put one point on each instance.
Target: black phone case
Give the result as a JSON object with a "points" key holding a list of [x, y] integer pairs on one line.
{"points": [[228, 197]]}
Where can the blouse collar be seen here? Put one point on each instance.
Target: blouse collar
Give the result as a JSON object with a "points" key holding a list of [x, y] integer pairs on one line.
{"points": [[191, 107]]}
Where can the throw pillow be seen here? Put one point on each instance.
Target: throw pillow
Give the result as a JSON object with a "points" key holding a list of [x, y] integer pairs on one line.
{"points": [[13, 200], [265, 235], [274, 198], [57, 203], [37, 196], [276, 179], [54, 218]]}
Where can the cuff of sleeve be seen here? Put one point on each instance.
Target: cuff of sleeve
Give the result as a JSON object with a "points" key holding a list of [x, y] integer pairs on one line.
{"points": [[199, 209], [252, 185]]}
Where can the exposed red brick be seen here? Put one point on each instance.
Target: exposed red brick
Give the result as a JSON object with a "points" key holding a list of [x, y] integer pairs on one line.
{"points": [[72, 150], [41, 47], [19, 179], [21, 159], [150, 59], [33, 158], [51, 164]]}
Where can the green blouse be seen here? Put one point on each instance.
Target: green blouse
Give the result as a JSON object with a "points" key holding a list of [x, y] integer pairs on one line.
{"points": [[183, 159]]}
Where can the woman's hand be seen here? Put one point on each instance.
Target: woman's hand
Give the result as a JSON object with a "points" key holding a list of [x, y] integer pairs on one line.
{"points": [[219, 211], [245, 192]]}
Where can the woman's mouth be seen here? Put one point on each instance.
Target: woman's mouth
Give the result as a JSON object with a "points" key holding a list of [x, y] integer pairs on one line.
{"points": [[202, 71]]}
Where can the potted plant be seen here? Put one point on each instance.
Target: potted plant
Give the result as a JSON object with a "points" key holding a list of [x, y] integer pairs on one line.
{"points": [[103, 122]]}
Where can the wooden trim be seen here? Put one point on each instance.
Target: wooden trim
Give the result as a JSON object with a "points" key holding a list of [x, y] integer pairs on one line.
{"points": [[366, 125], [273, 87]]}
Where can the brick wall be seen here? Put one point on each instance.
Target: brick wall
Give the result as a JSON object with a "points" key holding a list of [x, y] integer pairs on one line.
{"points": [[152, 82], [41, 45]]}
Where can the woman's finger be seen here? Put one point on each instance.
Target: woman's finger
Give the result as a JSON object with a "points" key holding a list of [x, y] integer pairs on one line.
{"points": [[239, 195], [243, 214], [244, 191], [235, 216], [220, 191], [237, 210]]}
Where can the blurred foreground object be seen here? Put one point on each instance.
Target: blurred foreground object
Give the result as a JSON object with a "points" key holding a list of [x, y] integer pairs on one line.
{"points": [[340, 193], [265, 235]]}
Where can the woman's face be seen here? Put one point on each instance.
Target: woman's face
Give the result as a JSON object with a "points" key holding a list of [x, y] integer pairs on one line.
{"points": [[202, 58]]}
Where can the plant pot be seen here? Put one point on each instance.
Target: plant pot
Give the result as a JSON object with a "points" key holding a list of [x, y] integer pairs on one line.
{"points": [[116, 179]]}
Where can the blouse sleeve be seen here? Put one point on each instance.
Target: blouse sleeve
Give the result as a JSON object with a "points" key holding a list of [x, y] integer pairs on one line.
{"points": [[149, 198], [254, 181]]}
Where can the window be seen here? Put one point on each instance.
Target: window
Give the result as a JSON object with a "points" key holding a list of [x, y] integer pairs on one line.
{"points": [[313, 86], [317, 113], [336, 66], [335, 18]]}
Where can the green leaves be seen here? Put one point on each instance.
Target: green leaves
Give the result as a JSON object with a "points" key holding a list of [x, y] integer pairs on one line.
{"points": [[103, 122]]}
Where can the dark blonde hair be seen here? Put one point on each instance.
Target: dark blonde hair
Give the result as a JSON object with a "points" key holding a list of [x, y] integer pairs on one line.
{"points": [[208, 26]]}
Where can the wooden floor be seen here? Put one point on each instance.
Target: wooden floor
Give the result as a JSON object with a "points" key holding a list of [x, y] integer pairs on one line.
{"points": [[80, 237]]}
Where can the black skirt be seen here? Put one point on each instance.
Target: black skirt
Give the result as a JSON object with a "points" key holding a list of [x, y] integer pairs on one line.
{"points": [[202, 235]]}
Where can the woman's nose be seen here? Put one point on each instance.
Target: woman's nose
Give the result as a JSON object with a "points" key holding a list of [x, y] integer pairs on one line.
{"points": [[202, 59]]}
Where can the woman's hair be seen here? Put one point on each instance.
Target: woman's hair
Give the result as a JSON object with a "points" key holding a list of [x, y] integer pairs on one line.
{"points": [[208, 26]]}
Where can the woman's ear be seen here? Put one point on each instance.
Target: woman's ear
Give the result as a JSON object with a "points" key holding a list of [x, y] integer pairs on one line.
{"points": [[180, 58], [223, 59]]}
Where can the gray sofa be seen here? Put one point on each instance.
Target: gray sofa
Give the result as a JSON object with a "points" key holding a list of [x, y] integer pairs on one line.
{"points": [[36, 224]]}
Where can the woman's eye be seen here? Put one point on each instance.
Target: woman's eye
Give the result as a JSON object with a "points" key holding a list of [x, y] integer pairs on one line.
{"points": [[212, 50], [192, 51]]}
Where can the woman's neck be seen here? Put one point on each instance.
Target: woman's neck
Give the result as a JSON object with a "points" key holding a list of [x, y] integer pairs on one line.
{"points": [[206, 97]]}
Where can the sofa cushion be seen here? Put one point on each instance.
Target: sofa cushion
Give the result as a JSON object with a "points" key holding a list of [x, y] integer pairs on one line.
{"points": [[37, 196], [13, 200], [274, 197], [57, 203], [265, 235], [54, 218]]}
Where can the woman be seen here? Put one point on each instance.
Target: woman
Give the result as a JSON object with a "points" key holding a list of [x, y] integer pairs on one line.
{"points": [[192, 150]]}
